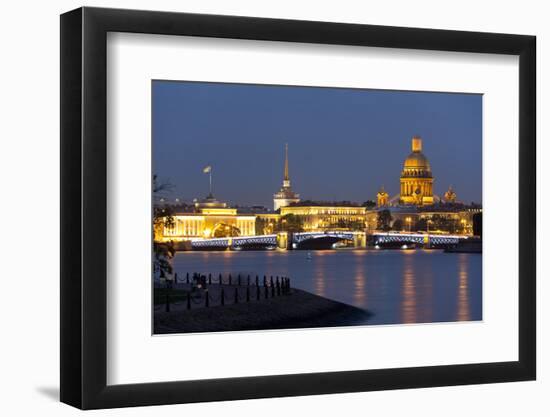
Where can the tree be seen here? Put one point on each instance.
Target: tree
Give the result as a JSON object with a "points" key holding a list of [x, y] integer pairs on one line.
{"points": [[162, 217], [369, 204], [397, 225], [478, 224], [384, 220], [290, 223], [421, 225], [226, 230], [440, 222]]}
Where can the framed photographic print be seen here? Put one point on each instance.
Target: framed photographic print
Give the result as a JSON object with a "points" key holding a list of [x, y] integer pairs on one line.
{"points": [[257, 208]]}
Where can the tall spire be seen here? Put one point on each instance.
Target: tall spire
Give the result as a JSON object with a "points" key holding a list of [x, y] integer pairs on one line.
{"points": [[286, 162], [285, 196]]}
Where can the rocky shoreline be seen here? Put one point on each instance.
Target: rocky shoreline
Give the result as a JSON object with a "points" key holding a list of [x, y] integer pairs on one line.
{"points": [[299, 309]]}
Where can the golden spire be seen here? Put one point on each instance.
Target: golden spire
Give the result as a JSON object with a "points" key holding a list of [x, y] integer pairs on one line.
{"points": [[286, 162]]}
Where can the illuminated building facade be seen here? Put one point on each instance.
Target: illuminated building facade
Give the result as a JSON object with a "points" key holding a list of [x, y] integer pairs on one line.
{"points": [[329, 217], [211, 218], [434, 219], [415, 209], [285, 196], [416, 177]]}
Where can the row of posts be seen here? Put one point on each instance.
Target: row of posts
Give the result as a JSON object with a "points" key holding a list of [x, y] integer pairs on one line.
{"points": [[196, 277], [271, 288]]}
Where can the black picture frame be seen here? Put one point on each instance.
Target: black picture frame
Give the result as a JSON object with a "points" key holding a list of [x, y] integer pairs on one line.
{"points": [[84, 207]]}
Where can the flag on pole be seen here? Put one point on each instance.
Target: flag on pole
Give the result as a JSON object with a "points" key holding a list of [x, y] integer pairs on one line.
{"points": [[207, 169]]}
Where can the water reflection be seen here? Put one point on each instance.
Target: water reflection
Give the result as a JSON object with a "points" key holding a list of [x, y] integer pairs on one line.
{"points": [[463, 310], [426, 292], [360, 280], [408, 291], [319, 265], [398, 286]]}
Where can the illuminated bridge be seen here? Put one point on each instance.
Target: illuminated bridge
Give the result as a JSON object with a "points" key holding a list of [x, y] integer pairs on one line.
{"points": [[418, 238], [226, 242], [298, 241], [321, 240]]}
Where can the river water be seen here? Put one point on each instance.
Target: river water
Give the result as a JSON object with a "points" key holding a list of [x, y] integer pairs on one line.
{"points": [[397, 286]]}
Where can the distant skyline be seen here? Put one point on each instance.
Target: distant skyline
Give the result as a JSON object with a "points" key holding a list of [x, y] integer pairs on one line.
{"points": [[343, 143]]}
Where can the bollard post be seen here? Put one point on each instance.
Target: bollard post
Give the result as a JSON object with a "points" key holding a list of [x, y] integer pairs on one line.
{"points": [[187, 278], [206, 299], [271, 281], [176, 278], [222, 298], [239, 280], [188, 301], [236, 295], [248, 281], [265, 281], [278, 286], [257, 293], [209, 279], [265, 293], [167, 303], [272, 290], [247, 294], [256, 280], [220, 278]]}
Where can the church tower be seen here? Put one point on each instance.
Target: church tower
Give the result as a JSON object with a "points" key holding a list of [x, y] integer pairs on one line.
{"points": [[416, 177], [285, 196], [450, 195], [382, 198]]}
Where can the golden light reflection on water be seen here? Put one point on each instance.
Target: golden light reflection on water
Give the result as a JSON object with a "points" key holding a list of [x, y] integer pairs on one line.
{"points": [[463, 309], [408, 291], [360, 281], [319, 280], [427, 292]]}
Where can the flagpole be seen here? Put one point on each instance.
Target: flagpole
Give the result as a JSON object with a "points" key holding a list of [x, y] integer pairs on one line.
{"points": [[210, 173]]}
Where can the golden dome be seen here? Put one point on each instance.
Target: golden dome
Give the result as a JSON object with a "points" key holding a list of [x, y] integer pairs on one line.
{"points": [[417, 160], [416, 164]]}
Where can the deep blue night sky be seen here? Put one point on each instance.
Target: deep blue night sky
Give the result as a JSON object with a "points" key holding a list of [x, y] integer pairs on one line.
{"points": [[343, 143]]}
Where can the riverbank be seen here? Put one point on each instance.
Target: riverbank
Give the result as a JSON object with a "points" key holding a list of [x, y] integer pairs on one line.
{"points": [[300, 309]]}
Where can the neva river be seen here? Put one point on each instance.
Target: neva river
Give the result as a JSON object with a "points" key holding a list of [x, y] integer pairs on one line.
{"points": [[397, 286]]}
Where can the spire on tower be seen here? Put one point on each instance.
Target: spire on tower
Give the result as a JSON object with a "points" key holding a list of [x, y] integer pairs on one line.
{"points": [[286, 162], [285, 196]]}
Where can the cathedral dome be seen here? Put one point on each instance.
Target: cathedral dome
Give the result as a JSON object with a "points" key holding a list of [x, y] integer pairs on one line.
{"points": [[416, 164], [416, 178], [417, 160]]}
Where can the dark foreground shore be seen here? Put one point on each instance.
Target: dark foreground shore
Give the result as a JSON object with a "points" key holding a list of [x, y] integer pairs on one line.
{"points": [[297, 310]]}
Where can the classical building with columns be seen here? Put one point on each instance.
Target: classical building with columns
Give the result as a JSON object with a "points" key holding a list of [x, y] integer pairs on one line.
{"points": [[209, 218]]}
